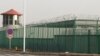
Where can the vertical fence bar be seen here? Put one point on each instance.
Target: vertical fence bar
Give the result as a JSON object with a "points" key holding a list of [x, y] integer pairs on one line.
{"points": [[29, 38], [53, 39], [59, 43], [37, 38], [89, 32], [42, 38], [34, 46], [46, 38], [65, 34], [97, 36], [74, 35], [97, 26]]}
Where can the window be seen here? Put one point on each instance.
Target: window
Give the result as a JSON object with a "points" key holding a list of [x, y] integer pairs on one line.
{"points": [[10, 19], [6, 20], [15, 22]]}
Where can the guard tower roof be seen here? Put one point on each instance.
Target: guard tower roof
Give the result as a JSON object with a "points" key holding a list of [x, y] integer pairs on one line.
{"points": [[11, 12]]}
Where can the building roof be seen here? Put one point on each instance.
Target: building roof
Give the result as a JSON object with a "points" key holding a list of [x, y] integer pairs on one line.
{"points": [[69, 23], [11, 12]]}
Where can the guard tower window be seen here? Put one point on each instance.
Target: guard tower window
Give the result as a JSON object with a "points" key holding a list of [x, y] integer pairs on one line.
{"points": [[11, 20], [16, 22], [6, 20]]}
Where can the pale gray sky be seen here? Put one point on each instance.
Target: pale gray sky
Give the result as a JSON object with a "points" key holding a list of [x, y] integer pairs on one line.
{"points": [[44, 9]]}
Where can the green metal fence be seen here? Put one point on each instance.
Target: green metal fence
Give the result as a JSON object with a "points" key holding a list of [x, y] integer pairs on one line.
{"points": [[55, 39]]}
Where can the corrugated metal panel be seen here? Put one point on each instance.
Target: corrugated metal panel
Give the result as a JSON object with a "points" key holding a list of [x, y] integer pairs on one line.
{"points": [[54, 39]]}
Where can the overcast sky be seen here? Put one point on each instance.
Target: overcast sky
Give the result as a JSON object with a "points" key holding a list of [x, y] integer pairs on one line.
{"points": [[44, 9]]}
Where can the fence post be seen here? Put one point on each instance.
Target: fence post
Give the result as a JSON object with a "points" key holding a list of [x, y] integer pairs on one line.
{"points": [[97, 33], [89, 32], [74, 35], [97, 26]]}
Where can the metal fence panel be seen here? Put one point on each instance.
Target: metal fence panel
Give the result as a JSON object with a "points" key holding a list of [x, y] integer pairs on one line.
{"points": [[54, 39]]}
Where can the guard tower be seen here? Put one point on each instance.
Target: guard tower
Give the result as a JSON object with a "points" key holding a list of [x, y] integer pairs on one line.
{"points": [[11, 17]]}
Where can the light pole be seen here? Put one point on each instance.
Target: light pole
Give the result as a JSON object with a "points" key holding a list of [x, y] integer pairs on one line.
{"points": [[24, 16]]}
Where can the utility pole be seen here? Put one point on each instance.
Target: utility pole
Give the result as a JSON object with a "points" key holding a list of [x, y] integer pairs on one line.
{"points": [[24, 17]]}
